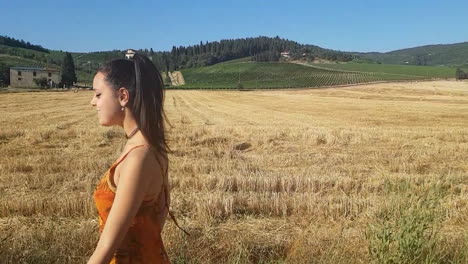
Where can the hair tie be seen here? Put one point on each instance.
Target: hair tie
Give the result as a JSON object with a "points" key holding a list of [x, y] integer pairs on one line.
{"points": [[130, 54]]}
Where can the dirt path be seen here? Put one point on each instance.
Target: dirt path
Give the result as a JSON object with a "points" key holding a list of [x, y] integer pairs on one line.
{"points": [[177, 78]]}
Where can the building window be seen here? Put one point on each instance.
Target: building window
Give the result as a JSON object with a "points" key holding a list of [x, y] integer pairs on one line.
{"points": [[50, 74], [19, 79], [19, 73], [34, 74]]}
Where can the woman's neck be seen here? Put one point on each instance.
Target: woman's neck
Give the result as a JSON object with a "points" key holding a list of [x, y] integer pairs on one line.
{"points": [[129, 125]]}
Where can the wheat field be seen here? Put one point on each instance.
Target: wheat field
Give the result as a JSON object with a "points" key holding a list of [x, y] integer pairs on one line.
{"points": [[373, 173]]}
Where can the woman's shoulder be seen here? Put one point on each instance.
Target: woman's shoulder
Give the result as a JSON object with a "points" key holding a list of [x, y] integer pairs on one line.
{"points": [[139, 163]]}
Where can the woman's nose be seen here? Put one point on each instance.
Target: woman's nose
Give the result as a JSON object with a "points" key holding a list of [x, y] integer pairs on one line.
{"points": [[92, 102]]}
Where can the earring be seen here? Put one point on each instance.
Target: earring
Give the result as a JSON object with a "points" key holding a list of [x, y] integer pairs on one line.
{"points": [[122, 109]]}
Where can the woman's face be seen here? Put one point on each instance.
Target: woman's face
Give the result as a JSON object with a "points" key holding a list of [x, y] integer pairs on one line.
{"points": [[107, 103]]}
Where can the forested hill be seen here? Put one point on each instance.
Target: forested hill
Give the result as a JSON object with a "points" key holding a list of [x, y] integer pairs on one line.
{"points": [[259, 48], [431, 55]]}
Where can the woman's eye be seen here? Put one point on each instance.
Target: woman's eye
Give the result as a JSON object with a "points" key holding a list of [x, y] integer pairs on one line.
{"points": [[97, 95]]}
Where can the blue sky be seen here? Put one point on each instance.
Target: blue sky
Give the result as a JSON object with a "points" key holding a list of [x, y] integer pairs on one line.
{"points": [[343, 25]]}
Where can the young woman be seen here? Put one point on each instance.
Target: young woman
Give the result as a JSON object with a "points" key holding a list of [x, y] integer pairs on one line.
{"points": [[132, 198]]}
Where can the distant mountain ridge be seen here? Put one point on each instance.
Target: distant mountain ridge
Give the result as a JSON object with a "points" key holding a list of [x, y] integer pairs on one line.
{"points": [[432, 55]]}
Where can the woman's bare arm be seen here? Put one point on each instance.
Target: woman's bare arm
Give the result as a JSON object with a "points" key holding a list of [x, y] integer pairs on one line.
{"points": [[137, 173]]}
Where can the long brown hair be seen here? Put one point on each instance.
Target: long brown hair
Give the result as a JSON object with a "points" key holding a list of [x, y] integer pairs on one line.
{"points": [[142, 79]]}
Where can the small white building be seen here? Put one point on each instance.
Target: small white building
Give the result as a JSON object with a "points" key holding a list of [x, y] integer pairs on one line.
{"points": [[285, 54], [25, 76]]}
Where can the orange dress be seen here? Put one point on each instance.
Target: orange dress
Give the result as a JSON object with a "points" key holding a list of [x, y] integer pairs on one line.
{"points": [[143, 242]]}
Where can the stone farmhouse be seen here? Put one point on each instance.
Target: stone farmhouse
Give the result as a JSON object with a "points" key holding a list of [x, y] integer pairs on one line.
{"points": [[25, 76]]}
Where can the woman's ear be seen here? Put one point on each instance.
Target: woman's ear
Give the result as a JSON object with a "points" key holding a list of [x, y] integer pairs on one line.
{"points": [[124, 96]]}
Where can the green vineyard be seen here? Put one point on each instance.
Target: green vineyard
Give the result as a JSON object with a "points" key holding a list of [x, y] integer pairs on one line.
{"points": [[423, 71], [268, 75]]}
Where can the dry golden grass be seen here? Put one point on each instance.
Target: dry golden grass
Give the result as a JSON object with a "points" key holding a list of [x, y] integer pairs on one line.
{"points": [[295, 176]]}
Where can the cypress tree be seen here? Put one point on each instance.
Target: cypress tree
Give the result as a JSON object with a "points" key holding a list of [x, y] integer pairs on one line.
{"points": [[460, 75], [68, 70], [4, 74]]}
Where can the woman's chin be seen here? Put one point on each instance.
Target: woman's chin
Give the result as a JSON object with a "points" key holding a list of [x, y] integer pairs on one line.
{"points": [[106, 123]]}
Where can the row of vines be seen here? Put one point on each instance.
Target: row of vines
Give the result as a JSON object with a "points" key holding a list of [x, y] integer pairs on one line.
{"points": [[282, 76]]}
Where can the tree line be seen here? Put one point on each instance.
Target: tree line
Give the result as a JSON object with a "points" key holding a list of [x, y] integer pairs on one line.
{"points": [[5, 40]]}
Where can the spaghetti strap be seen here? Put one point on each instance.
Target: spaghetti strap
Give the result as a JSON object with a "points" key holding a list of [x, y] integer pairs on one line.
{"points": [[125, 155], [109, 176]]}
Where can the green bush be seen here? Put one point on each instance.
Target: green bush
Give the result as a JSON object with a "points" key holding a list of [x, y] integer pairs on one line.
{"points": [[41, 82]]}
